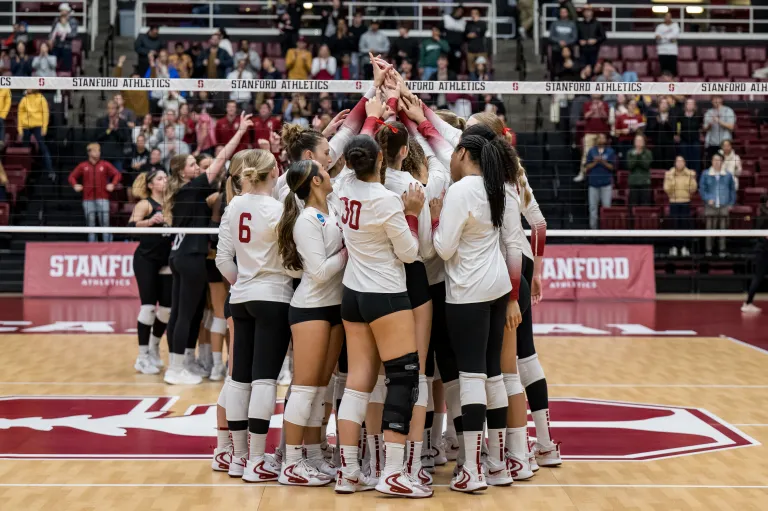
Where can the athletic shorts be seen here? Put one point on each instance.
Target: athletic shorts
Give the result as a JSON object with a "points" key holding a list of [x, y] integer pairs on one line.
{"points": [[331, 314], [417, 283], [357, 307], [227, 308], [214, 275]]}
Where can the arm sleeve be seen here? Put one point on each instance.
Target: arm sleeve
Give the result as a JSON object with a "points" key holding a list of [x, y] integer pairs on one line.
{"points": [[351, 127], [512, 254], [441, 147], [225, 250], [404, 243], [448, 132], [452, 219], [536, 220], [308, 234]]}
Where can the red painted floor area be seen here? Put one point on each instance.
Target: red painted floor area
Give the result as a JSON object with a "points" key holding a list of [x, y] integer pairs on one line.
{"points": [[703, 318]]}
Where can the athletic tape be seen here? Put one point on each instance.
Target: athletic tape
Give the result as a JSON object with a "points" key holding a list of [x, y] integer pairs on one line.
{"points": [[147, 315]]}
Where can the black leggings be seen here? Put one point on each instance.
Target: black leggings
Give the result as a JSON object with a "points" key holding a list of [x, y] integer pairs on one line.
{"points": [[761, 268], [525, 346], [439, 342], [262, 334], [153, 288], [189, 282]]}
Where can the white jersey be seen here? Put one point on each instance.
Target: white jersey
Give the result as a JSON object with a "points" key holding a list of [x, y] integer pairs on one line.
{"points": [[535, 219], [513, 240], [398, 182], [248, 231], [378, 238], [319, 243], [466, 239]]}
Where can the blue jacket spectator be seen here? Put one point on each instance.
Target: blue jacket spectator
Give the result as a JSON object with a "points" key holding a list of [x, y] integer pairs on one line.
{"points": [[717, 187], [601, 162]]}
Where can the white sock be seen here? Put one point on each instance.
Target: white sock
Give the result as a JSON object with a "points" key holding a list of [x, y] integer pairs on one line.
{"points": [[189, 354], [348, 457], [395, 458], [143, 350], [450, 429], [541, 419], [240, 443], [154, 342], [517, 443], [461, 455], [473, 445], [217, 358], [223, 440], [413, 459], [437, 427], [496, 444], [258, 445], [375, 444], [205, 351], [314, 452], [293, 454], [176, 361]]}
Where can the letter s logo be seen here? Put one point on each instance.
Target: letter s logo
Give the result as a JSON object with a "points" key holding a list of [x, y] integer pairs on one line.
{"points": [[515, 86], [358, 85], [200, 84], [671, 87], [41, 82]]}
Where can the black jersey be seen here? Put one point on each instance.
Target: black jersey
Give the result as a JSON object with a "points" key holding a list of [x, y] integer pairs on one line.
{"points": [[155, 247], [191, 210]]}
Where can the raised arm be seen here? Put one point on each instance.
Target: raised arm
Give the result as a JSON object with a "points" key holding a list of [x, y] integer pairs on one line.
{"points": [[225, 250], [308, 234], [229, 150]]}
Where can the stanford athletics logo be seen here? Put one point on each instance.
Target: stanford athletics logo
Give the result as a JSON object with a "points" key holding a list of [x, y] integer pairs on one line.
{"points": [[46, 427]]}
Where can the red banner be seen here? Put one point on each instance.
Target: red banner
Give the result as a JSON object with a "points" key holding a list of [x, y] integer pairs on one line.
{"points": [[583, 272], [80, 270]]}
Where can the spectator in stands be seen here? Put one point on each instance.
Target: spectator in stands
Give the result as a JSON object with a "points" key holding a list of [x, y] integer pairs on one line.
{"points": [[21, 64], [345, 68], [155, 162], [63, 32], [140, 156], [171, 146], [147, 130], [324, 104], [404, 46], [607, 75], [688, 135], [718, 190], [341, 42], [269, 71], [406, 70], [628, 123], [227, 126], [114, 136], [443, 74], [243, 98], [195, 52], [680, 185], [661, 130], [224, 42], [481, 73], [135, 100], [595, 115], [5, 108], [298, 61], [601, 162], [44, 64], [159, 67], [731, 161], [146, 45], [252, 58], [289, 24], [96, 179], [374, 41], [356, 31], [32, 116], [667, 34], [170, 118], [186, 120], [125, 113], [562, 33], [265, 124], [324, 65], [591, 37], [475, 37], [492, 104], [181, 61], [719, 122], [329, 19], [573, 15], [568, 70], [171, 100], [454, 26], [431, 49], [205, 131], [19, 35], [216, 60], [297, 110], [5, 61], [639, 160]]}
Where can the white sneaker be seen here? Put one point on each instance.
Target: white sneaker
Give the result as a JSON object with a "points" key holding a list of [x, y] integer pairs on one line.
{"points": [[673, 252], [328, 451], [439, 454], [579, 178], [400, 484], [548, 456], [302, 474], [422, 477], [221, 460], [154, 357], [520, 470], [323, 466], [206, 364], [450, 447], [263, 469], [218, 373], [497, 473], [468, 481], [145, 366], [532, 456], [181, 377], [428, 460], [354, 483], [194, 367], [685, 252], [237, 467], [750, 308]]}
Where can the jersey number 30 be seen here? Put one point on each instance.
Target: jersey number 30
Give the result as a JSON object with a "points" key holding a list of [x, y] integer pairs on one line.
{"points": [[244, 232], [351, 215]]}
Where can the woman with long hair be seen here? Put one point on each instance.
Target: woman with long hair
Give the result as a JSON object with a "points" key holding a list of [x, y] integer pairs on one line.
{"points": [[150, 265]]}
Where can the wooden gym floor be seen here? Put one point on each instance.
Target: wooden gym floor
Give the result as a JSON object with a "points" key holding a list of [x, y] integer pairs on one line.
{"points": [[648, 422]]}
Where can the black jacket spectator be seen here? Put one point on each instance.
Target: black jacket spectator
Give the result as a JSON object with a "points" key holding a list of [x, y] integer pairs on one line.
{"points": [[21, 65], [661, 129], [342, 42], [357, 31], [404, 47], [591, 36], [689, 128], [114, 142], [145, 44], [224, 58], [477, 43]]}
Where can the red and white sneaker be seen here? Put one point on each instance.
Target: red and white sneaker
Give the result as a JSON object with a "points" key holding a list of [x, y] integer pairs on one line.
{"points": [[532, 457], [439, 454], [237, 467], [357, 481], [428, 460], [468, 481], [323, 466], [548, 455], [497, 473], [421, 476], [400, 484], [327, 450], [302, 473], [450, 447], [221, 460], [261, 470], [519, 469]]}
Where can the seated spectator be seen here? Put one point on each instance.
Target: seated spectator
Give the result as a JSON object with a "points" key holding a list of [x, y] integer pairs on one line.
{"points": [[609, 74], [324, 105], [667, 34], [136, 101], [44, 64], [5, 108], [96, 179], [159, 67], [32, 117], [181, 61], [731, 161], [568, 70], [591, 37], [406, 70], [718, 191], [562, 33], [147, 130], [454, 26], [114, 137], [216, 60], [443, 74], [298, 61], [155, 162], [474, 33], [19, 35], [205, 131], [601, 163], [224, 42], [373, 41], [689, 126], [171, 146], [63, 32], [324, 65], [186, 120], [661, 131], [265, 124], [297, 108], [345, 71], [321, 121], [170, 118], [404, 46], [639, 160], [243, 98], [227, 126], [251, 57], [139, 158], [146, 45], [595, 115], [171, 100], [269, 71], [21, 64], [431, 49], [481, 72], [680, 185], [342, 42], [125, 113], [628, 123], [719, 122]]}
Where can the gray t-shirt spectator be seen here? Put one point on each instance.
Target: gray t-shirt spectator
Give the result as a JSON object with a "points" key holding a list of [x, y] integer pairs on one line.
{"points": [[44, 65], [376, 42], [563, 30], [171, 149], [717, 133], [615, 77]]}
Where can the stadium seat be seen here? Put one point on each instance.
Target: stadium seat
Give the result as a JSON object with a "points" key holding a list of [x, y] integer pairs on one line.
{"points": [[609, 52], [5, 213], [752, 196], [685, 53], [660, 197], [639, 67], [650, 52], [19, 156], [731, 54], [760, 180], [741, 217], [738, 69], [707, 53], [646, 217], [688, 69], [622, 179], [713, 69], [632, 52], [614, 217], [747, 179], [755, 54]]}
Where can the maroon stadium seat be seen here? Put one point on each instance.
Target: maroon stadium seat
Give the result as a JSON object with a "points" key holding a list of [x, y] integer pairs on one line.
{"points": [[747, 179], [650, 52], [622, 179], [731, 53], [688, 69], [713, 69], [632, 52], [646, 217], [741, 217], [738, 69], [5, 213], [755, 54], [609, 52], [614, 217], [685, 53], [752, 196], [707, 53], [20, 156], [760, 180], [639, 67]]}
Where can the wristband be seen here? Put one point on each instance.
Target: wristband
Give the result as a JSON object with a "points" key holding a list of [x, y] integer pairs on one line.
{"points": [[413, 225], [392, 103], [435, 223]]}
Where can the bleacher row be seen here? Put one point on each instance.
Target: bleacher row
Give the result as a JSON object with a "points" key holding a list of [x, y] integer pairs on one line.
{"points": [[33, 49]]}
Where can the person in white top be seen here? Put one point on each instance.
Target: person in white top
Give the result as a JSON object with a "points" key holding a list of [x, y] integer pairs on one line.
{"points": [[381, 233], [478, 306], [667, 34], [310, 241], [324, 65], [260, 296]]}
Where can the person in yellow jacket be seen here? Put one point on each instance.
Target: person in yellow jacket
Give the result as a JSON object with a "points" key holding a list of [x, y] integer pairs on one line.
{"points": [[298, 61], [33, 122], [5, 107]]}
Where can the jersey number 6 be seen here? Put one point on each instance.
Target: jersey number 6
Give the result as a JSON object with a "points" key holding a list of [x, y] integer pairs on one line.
{"points": [[351, 215], [244, 232]]}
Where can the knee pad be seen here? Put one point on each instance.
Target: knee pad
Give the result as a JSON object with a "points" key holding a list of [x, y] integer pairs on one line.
{"points": [[402, 392], [452, 399], [530, 370], [262, 403], [207, 318], [512, 384], [379, 394], [430, 396], [353, 406], [147, 315], [472, 389], [495, 392], [222, 401], [238, 396], [218, 326], [317, 413], [163, 314], [299, 408], [423, 399]]}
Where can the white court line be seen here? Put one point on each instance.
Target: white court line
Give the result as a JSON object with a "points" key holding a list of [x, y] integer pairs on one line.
{"points": [[270, 485], [576, 385], [733, 339]]}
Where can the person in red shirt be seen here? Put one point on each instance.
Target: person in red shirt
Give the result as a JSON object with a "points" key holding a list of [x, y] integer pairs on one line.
{"points": [[627, 125], [227, 126], [264, 125], [596, 122], [96, 179]]}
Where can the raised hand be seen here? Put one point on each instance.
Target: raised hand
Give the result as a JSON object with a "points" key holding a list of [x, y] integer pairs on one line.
{"points": [[335, 123], [379, 70], [413, 199], [412, 108], [245, 122], [374, 107]]}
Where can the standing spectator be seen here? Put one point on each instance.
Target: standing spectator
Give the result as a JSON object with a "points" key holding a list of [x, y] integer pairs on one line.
{"points": [[719, 122], [718, 190], [609, 75], [264, 124], [32, 118], [628, 123], [170, 118], [140, 157], [680, 185], [404, 47], [19, 35], [252, 59], [147, 130], [600, 166], [345, 69], [298, 61], [5, 107], [135, 100], [290, 24], [224, 42], [181, 61], [227, 126], [667, 34], [171, 146], [689, 135], [195, 52], [731, 161], [341, 42], [171, 100], [243, 98], [639, 162], [21, 64], [63, 32], [373, 41], [205, 131], [114, 136], [596, 123], [356, 31], [455, 25], [155, 162], [324, 65], [444, 74], [96, 179], [591, 37], [661, 130], [159, 67], [216, 60], [44, 64], [481, 73], [475, 37], [146, 45], [125, 113], [431, 49], [268, 72], [329, 19], [562, 33]]}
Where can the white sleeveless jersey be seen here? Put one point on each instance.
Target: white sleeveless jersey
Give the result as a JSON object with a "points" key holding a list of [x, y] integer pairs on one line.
{"points": [[398, 182]]}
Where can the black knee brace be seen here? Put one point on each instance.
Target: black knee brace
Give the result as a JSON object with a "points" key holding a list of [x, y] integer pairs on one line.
{"points": [[402, 391]]}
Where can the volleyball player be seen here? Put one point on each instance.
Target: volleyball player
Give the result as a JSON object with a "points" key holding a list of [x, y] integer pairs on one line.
{"points": [[211, 355], [185, 204], [150, 265], [377, 316]]}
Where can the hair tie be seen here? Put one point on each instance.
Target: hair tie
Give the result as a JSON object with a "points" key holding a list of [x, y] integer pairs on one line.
{"points": [[507, 130], [394, 130]]}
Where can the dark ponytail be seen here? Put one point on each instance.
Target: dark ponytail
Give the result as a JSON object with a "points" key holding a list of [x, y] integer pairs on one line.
{"points": [[492, 158], [299, 179], [362, 153], [392, 137]]}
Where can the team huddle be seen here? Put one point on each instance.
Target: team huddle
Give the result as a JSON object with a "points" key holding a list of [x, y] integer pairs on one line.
{"points": [[393, 259]]}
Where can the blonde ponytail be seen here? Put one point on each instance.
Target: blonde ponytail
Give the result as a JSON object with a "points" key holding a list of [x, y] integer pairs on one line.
{"points": [[140, 187]]}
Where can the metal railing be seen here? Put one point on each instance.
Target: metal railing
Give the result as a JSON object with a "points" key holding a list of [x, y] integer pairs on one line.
{"points": [[86, 12]]}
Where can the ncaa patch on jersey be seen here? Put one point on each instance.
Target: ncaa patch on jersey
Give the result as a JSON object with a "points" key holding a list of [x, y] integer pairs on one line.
{"points": [[321, 218]]}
